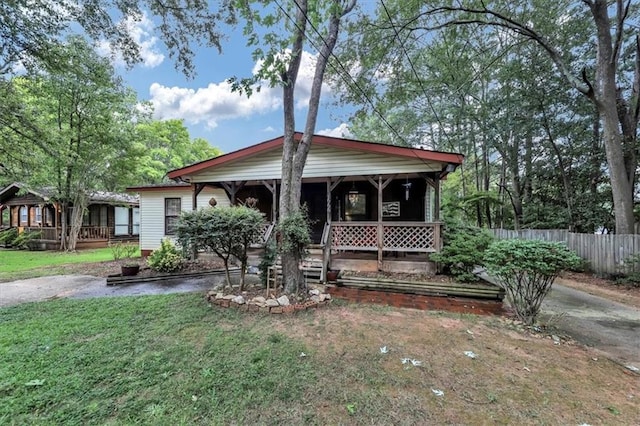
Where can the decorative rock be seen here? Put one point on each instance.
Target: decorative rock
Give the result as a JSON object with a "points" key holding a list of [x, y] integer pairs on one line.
{"points": [[219, 295], [239, 300], [258, 300], [271, 303], [315, 299], [229, 297], [283, 300], [314, 292], [322, 297], [327, 296]]}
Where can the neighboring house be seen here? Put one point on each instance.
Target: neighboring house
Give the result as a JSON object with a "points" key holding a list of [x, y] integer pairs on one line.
{"points": [[373, 206], [161, 205], [109, 216]]}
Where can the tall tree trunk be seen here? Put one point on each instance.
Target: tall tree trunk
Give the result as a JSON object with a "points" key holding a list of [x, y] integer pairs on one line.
{"points": [[295, 154], [621, 166]]}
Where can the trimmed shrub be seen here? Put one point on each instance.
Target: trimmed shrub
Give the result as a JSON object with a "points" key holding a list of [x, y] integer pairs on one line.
{"points": [[226, 231], [463, 251], [526, 270], [167, 258]]}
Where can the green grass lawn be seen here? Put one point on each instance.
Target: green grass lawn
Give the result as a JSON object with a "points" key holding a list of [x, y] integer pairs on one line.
{"points": [[23, 260], [173, 360], [155, 360]]}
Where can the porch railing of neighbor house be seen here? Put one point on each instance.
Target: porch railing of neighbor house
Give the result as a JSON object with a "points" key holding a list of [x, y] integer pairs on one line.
{"points": [[391, 236], [48, 234], [87, 233], [94, 233]]}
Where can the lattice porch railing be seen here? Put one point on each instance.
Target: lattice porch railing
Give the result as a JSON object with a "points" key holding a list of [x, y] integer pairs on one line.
{"points": [[360, 236], [392, 236], [411, 237]]}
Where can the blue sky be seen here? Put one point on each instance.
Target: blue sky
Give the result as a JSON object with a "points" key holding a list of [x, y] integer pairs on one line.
{"points": [[209, 109]]}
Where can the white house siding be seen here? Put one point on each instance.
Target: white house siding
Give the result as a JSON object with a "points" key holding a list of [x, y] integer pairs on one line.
{"points": [[152, 210], [322, 161]]}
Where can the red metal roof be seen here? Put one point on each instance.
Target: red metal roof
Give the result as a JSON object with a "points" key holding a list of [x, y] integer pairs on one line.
{"points": [[340, 143]]}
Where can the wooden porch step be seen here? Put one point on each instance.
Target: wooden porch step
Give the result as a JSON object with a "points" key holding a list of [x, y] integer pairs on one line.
{"points": [[479, 291]]}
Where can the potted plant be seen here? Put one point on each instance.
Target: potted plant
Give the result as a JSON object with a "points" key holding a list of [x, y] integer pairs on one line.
{"points": [[125, 252]]}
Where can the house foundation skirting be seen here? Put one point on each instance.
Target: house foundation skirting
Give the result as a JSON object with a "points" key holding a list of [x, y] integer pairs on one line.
{"points": [[417, 301]]}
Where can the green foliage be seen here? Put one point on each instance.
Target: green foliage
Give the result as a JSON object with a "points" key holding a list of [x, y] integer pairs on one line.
{"points": [[24, 239], [463, 250], [164, 145], [8, 236], [294, 232], [268, 259], [225, 231], [121, 250], [166, 258], [526, 269], [630, 271]]}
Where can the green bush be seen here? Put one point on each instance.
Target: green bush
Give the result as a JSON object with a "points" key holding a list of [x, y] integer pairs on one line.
{"points": [[226, 231], [463, 250], [8, 236], [167, 258], [268, 259], [629, 274], [122, 250], [24, 238], [526, 270]]}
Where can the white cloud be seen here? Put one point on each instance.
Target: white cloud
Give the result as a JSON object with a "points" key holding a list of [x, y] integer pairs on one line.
{"points": [[216, 102], [141, 31], [342, 131], [210, 104], [268, 129]]}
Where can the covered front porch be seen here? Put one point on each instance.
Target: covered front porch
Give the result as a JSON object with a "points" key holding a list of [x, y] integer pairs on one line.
{"points": [[359, 223], [371, 206]]}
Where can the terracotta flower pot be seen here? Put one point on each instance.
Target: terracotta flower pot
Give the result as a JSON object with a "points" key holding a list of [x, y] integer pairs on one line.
{"points": [[332, 275]]}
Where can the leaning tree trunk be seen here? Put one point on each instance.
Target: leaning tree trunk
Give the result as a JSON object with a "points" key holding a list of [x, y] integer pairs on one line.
{"points": [[294, 155]]}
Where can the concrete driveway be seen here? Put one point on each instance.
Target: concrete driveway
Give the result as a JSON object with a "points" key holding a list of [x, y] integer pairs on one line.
{"points": [[87, 286], [607, 326]]}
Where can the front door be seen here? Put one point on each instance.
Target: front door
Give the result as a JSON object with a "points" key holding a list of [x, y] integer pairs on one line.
{"points": [[314, 195]]}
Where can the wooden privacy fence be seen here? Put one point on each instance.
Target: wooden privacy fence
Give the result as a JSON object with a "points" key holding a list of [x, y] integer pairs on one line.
{"points": [[604, 252]]}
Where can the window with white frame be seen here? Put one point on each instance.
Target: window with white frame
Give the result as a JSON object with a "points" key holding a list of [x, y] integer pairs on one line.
{"points": [[172, 210]]}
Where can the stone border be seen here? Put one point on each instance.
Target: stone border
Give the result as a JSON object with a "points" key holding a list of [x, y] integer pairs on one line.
{"points": [[270, 305]]}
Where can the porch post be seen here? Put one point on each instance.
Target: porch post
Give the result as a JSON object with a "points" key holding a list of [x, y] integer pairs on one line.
{"points": [[273, 188], [436, 200], [380, 228], [326, 250], [197, 189], [274, 202]]}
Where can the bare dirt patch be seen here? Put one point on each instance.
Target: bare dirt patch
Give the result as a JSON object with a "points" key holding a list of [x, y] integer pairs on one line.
{"points": [[517, 377]]}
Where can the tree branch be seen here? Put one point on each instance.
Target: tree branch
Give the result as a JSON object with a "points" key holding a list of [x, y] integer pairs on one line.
{"points": [[499, 20], [621, 14]]}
